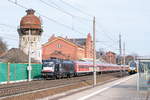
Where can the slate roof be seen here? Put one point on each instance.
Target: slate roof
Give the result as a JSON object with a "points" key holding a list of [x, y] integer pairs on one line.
{"points": [[79, 41], [15, 55]]}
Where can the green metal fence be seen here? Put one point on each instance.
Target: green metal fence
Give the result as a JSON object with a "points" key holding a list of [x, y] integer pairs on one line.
{"points": [[3, 72], [36, 70], [16, 72]]}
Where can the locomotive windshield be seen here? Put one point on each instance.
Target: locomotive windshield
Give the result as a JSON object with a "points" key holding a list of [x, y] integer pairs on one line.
{"points": [[133, 64], [48, 64]]}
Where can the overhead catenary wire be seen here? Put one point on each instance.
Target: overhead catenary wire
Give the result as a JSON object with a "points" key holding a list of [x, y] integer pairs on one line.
{"points": [[48, 18], [9, 38], [61, 9], [66, 3], [16, 3], [11, 35], [105, 33], [113, 41], [8, 32], [111, 46], [86, 14], [7, 28], [10, 26], [7, 35], [66, 26], [57, 7], [59, 23]]}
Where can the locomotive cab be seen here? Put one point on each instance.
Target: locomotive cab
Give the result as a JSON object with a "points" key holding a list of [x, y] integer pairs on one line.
{"points": [[56, 68], [132, 67], [48, 69]]}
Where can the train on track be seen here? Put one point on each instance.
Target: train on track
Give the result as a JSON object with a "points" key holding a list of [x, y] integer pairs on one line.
{"points": [[132, 67], [56, 68]]}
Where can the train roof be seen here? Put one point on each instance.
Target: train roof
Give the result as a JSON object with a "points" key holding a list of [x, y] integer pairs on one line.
{"points": [[97, 63], [82, 62], [58, 60]]}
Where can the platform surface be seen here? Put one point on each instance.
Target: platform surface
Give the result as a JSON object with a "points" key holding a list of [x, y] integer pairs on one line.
{"points": [[122, 89]]}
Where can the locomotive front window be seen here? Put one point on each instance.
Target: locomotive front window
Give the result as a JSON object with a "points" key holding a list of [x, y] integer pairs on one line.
{"points": [[48, 64], [133, 65]]}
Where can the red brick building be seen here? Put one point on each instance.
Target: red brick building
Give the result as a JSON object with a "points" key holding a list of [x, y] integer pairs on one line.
{"points": [[110, 57], [64, 48]]}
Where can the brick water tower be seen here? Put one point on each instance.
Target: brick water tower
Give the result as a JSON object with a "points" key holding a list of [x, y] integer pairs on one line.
{"points": [[30, 31]]}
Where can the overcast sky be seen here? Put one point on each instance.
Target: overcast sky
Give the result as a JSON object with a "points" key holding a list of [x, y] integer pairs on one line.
{"points": [[131, 18]]}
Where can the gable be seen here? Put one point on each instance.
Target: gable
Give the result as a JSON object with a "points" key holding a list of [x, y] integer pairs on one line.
{"points": [[60, 39]]}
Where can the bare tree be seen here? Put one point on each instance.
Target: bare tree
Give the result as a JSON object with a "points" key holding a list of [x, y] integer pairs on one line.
{"points": [[3, 46]]}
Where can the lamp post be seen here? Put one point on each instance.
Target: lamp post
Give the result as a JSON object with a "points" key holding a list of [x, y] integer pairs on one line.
{"points": [[94, 55], [29, 59]]}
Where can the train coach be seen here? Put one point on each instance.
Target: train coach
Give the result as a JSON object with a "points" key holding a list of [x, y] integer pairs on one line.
{"points": [[87, 67], [56, 68]]}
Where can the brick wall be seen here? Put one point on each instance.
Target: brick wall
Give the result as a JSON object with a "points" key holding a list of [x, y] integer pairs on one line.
{"points": [[89, 47], [110, 57], [58, 47], [61, 48]]}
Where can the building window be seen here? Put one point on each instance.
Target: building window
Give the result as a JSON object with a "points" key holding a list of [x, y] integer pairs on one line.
{"points": [[58, 45]]}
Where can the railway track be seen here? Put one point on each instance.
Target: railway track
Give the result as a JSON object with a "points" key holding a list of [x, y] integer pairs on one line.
{"points": [[19, 88]]}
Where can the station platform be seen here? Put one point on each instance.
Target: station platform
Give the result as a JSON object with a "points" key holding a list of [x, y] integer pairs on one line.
{"points": [[122, 89]]}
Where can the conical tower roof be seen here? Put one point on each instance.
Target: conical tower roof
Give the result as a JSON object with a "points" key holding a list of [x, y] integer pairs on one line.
{"points": [[30, 21]]}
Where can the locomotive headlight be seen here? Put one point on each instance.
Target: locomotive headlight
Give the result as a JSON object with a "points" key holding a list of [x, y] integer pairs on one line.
{"points": [[132, 68]]}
